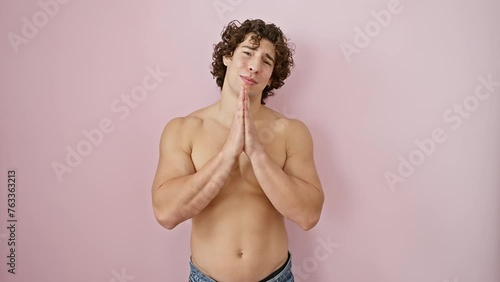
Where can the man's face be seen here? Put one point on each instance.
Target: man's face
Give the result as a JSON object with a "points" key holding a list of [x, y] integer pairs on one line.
{"points": [[251, 66]]}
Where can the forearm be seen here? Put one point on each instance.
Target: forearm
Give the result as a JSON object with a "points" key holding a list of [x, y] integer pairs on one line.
{"points": [[296, 199], [179, 199]]}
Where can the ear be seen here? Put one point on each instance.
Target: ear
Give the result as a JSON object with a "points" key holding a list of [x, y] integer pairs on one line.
{"points": [[269, 82], [226, 60]]}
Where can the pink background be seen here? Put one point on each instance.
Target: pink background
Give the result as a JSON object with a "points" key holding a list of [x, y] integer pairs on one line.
{"points": [[365, 112]]}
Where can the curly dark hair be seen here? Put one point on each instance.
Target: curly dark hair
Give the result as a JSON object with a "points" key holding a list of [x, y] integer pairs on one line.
{"points": [[235, 33]]}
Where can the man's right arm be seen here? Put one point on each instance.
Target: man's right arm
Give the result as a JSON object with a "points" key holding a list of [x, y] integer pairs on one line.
{"points": [[180, 192]]}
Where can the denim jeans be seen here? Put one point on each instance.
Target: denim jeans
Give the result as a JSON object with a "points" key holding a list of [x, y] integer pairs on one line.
{"points": [[285, 275]]}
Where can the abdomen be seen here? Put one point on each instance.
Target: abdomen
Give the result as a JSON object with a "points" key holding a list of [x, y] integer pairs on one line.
{"points": [[239, 236]]}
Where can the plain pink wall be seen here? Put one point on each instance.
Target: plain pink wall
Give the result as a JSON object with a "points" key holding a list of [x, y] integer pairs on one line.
{"points": [[379, 83]]}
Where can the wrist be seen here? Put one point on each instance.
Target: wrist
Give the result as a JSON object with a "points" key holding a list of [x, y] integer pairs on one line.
{"points": [[256, 154], [228, 155]]}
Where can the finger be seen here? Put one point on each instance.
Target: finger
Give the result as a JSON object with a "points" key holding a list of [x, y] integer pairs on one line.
{"points": [[245, 92], [241, 102], [248, 116], [247, 105], [242, 91], [241, 98]]}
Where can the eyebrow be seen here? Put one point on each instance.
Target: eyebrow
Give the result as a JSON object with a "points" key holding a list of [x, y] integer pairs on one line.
{"points": [[255, 49]]}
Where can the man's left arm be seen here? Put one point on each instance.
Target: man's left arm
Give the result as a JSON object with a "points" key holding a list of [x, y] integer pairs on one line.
{"points": [[294, 190]]}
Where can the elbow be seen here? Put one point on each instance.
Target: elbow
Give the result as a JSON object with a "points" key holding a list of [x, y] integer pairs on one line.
{"points": [[311, 218], [308, 223], [167, 224], [165, 219]]}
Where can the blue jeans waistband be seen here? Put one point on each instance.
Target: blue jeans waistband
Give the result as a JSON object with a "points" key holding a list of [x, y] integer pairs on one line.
{"points": [[283, 274]]}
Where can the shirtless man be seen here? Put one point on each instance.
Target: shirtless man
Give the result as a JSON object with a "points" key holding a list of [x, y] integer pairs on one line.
{"points": [[222, 168]]}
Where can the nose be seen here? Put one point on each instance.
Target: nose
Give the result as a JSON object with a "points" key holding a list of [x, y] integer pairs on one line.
{"points": [[254, 65]]}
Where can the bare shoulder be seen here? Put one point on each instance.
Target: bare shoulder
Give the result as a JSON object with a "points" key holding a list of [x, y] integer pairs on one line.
{"points": [[183, 125], [181, 130], [291, 127], [188, 123]]}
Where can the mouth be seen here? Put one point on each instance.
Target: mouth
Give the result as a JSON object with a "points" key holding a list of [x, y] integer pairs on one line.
{"points": [[247, 80]]}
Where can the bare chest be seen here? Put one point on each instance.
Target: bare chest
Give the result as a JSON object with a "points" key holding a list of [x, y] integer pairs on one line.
{"points": [[209, 141]]}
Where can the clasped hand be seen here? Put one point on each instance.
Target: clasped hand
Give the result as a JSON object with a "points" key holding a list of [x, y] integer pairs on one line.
{"points": [[243, 135]]}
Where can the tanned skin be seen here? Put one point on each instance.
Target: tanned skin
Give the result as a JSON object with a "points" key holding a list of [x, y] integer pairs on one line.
{"points": [[237, 169]]}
